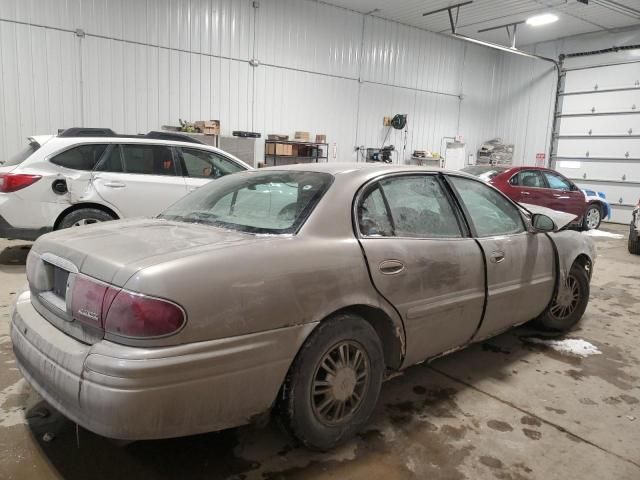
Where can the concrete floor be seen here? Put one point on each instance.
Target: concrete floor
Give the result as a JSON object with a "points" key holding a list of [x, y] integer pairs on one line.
{"points": [[508, 409]]}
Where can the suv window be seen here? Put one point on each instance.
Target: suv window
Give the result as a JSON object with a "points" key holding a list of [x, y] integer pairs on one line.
{"points": [[491, 213], [556, 181], [528, 178], [204, 164], [82, 157], [148, 159], [112, 161]]}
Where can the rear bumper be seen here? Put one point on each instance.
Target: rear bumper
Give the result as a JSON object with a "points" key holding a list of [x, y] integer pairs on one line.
{"points": [[11, 232], [136, 393]]}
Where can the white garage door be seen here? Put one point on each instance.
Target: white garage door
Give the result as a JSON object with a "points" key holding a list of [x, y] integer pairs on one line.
{"points": [[598, 132]]}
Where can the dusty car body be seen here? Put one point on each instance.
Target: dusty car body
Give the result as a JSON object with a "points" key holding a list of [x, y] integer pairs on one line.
{"points": [[252, 302]]}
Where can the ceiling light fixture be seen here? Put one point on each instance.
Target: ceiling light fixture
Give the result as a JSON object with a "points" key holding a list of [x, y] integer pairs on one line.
{"points": [[544, 19]]}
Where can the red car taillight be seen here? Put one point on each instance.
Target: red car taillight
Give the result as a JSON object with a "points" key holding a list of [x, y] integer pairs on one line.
{"points": [[11, 182], [124, 313]]}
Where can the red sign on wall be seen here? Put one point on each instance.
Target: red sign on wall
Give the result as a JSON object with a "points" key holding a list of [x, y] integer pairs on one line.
{"points": [[540, 158]]}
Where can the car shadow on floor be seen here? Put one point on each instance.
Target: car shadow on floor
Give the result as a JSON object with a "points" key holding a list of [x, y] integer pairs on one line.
{"points": [[418, 397], [14, 255]]}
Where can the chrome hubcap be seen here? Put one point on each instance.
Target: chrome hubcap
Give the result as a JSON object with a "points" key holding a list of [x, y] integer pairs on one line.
{"points": [[567, 300], [85, 221], [340, 382], [593, 218]]}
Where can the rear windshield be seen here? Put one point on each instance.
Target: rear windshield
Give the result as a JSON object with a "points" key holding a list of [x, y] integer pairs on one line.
{"points": [[484, 173], [272, 202], [21, 156]]}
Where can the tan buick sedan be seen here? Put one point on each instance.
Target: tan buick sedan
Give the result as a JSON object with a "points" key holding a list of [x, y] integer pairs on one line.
{"points": [[294, 289]]}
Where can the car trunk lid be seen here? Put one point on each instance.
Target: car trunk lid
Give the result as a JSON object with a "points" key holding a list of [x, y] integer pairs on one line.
{"points": [[110, 253]]}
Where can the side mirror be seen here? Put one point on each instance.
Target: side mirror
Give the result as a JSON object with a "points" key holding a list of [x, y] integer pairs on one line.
{"points": [[542, 223]]}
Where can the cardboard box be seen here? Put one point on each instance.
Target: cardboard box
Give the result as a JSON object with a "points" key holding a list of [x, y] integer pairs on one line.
{"points": [[321, 138], [302, 136], [208, 127], [273, 136], [279, 149]]}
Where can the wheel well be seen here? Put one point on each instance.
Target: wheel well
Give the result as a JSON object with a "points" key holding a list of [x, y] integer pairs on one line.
{"points": [[585, 262], [392, 340], [80, 206]]}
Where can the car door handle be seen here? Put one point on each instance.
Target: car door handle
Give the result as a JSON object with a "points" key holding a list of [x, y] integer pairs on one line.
{"points": [[391, 267], [497, 257], [525, 193], [114, 185], [557, 195]]}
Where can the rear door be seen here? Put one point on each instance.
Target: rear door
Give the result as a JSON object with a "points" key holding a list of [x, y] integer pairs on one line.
{"points": [[528, 186], [140, 180], [564, 195], [201, 166], [422, 261], [520, 264]]}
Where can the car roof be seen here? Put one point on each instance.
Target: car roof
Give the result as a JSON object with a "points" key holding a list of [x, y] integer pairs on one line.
{"points": [[365, 168]]}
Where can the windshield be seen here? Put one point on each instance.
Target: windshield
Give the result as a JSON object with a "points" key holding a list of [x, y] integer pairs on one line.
{"points": [[21, 156], [484, 173], [274, 202]]}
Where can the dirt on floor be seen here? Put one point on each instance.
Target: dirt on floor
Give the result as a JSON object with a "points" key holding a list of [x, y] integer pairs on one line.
{"points": [[519, 406]]}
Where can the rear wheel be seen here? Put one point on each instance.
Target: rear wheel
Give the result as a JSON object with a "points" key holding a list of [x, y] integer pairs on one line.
{"points": [[570, 303], [334, 382], [85, 216], [634, 241], [592, 217]]}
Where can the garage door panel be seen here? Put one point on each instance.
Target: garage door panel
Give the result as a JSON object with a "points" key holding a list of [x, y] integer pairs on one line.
{"points": [[599, 147], [601, 125], [612, 76], [602, 102], [603, 170]]}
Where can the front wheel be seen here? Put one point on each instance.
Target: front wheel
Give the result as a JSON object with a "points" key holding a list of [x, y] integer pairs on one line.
{"points": [[592, 217], [569, 305], [333, 385]]}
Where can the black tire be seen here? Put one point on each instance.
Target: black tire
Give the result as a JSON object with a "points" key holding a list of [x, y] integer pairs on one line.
{"points": [[593, 213], [85, 216], [302, 412], [634, 242], [563, 314]]}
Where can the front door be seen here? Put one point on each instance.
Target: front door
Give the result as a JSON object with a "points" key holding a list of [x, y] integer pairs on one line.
{"points": [[520, 264], [140, 180], [564, 195], [422, 261]]}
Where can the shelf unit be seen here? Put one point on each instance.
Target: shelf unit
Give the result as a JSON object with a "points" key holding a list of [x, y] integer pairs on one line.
{"points": [[272, 158]]}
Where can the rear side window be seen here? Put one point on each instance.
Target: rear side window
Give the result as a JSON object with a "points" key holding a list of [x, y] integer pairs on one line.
{"points": [[21, 156], [203, 164], [148, 159], [417, 208], [82, 157], [528, 178]]}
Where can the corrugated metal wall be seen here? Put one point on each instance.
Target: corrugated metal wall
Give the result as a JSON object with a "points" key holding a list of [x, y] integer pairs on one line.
{"points": [[145, 63]]}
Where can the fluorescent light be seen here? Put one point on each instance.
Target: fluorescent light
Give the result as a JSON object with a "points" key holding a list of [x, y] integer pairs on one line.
{"points": [[543, 19]]}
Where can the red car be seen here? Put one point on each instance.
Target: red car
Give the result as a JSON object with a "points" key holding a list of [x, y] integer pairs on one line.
{"points": [[538, 186]]}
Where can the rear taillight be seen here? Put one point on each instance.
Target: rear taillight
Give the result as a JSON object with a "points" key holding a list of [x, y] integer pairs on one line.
{"points": [[135, 315], [90, 301], [11, 182], [123, 313]]}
